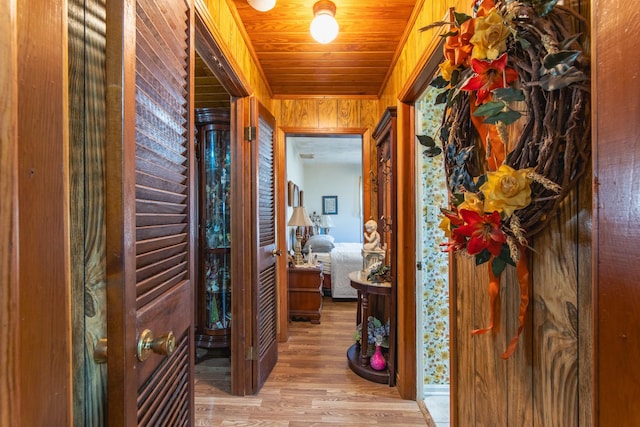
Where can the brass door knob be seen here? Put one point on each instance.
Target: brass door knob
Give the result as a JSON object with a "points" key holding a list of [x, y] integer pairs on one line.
{"points": [[147, 344], [276, 252]]}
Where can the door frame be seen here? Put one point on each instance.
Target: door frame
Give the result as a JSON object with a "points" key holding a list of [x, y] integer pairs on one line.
{"points": [[406, 239], [281, 185], [220, 61]]}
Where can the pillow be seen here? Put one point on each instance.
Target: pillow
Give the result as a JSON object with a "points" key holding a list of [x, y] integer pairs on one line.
{"points": [[319, 243]]}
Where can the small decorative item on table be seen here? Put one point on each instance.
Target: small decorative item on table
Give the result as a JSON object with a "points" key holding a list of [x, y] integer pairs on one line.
{"points": [[378, 361]]}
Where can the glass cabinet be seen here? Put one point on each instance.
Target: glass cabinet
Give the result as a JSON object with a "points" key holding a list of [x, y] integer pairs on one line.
{"points": [[213, 297]]}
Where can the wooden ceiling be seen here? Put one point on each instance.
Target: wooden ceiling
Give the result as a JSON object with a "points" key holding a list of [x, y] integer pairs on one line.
{"points": [[357, 62]]}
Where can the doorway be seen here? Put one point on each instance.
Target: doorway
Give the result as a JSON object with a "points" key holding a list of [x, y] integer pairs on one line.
{"points": [[432, 285], [326, 166]]}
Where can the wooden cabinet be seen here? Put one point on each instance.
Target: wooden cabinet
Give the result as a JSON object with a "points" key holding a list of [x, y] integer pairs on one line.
{"points": [[386, 144], [374, 299], [305, 293], [213, 296]]}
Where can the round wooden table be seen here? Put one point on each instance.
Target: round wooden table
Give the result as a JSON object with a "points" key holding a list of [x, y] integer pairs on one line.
{"points": [[357, 354]]}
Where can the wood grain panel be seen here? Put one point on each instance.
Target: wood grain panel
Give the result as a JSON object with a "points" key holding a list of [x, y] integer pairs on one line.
{"points": [[9, 316], [617, 229], [87, 144], [520, 384], [348, 114], [463, 278], [327, 113], [43, 202], [555, 321]]}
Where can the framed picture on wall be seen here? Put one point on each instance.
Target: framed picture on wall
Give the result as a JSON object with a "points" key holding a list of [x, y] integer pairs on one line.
{"points": [[330, 205]]}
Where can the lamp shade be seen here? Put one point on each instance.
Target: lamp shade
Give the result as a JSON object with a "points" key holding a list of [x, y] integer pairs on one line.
{"points": [[324, 27], [262, 5], [326, 222], [300, 218]]}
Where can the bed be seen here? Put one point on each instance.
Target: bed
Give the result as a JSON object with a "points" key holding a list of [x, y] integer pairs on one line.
{"points": [[338, 259]]}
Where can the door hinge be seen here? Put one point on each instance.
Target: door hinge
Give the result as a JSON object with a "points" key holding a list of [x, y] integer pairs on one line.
{"points": [[419, 265], [251, 353], [250, 133]]}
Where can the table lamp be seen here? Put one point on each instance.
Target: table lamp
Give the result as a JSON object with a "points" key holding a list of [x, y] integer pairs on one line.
{"points": [[299, 218], [326, 223]]}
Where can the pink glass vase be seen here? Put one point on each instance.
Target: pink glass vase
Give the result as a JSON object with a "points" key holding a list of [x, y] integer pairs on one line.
{"points": [[377, 361]]}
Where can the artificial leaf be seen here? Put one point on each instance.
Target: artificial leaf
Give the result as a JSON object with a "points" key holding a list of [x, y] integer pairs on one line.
{"points": [[432, 151], [480, 180], [505, 255], [489, 109], [566, 44], [564, 57], [497, 266], [506, 117], [508, 94], [457, 199], [455, 75], [449, 34], [435, 25], [444, 134], [463, 155], [524, 43], [426, 140], [483, 257], [442, 97], [439, 82], [543, 7], [551, 82], [461, 18]]}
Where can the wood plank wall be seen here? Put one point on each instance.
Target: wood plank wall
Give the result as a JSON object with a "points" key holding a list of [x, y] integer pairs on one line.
{"points": [[44, 378], [9, 316]]}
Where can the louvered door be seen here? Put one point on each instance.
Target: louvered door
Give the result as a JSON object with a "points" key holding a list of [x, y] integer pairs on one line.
{"points": [[264, 289], [149, 213]]}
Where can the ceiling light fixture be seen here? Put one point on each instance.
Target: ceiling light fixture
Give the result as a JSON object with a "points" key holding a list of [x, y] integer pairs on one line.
{"points": [[324, 27], [262, 5]]}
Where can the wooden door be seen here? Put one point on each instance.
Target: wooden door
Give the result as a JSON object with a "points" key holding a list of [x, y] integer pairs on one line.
{"points": [[264, 289], [149, 216]]}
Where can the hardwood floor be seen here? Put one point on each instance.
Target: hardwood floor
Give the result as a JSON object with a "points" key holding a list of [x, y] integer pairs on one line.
{"points": [[311, 385]]}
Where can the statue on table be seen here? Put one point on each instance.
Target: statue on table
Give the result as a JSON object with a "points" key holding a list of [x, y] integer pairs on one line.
{"points": [[373, 253], [371, 236]]}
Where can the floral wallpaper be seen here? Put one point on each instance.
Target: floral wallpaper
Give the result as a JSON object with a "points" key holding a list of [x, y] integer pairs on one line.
{"points": [[435, 266]]}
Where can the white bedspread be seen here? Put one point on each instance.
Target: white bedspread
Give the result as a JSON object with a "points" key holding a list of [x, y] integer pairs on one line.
{"points": [[345, 258]]}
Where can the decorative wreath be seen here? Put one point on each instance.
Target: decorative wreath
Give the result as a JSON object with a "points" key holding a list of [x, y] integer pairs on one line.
{"points": [[515, 131]]}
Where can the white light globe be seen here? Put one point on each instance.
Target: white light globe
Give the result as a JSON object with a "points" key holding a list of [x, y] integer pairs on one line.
{"points": [[324, 28], [262, 5]]}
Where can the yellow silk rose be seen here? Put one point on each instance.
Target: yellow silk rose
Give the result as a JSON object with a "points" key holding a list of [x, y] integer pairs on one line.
{"points": [[472, 203], [445, 226], [507, 190], [447, 68], [489, 38]]}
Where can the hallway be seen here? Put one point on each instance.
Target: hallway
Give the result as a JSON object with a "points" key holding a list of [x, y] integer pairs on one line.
{"points": [[311, 385]]}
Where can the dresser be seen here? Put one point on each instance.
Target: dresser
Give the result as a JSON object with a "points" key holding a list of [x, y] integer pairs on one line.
{"points": [[305, 293]]}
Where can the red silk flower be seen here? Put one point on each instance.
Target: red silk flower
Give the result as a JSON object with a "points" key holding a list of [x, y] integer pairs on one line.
{"points": [[483, 232], [490, 75]]}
